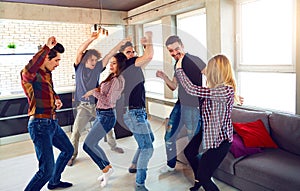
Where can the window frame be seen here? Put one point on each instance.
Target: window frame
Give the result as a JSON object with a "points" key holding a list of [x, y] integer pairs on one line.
{"points": [[288, 68]]}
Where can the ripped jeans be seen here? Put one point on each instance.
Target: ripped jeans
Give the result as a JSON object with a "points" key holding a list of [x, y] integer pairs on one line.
{"points": [[180, 116]]}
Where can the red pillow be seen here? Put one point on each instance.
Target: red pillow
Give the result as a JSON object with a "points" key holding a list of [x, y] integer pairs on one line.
{"points": [[254, 134]]}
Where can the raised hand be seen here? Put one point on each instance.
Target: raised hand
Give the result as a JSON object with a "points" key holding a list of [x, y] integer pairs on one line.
{"points": [[51, 42], [160, 74], [95, 35]]}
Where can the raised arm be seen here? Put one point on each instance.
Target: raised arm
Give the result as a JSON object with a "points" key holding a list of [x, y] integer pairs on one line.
{"points": [[146, 41], [29, 72], [221, 93], [113, 51], [172, 84], [84, 46]]}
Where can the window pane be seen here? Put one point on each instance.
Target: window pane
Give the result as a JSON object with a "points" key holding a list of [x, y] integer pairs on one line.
{"points": [[267, 32], [154, 84], [275, 91], [191, 28]]}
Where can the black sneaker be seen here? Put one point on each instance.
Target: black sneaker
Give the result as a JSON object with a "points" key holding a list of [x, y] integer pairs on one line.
{"points": [[59, 185], [132, 170]]}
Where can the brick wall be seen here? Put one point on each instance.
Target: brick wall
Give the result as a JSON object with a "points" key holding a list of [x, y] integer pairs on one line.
{"points": [[27, 35]]}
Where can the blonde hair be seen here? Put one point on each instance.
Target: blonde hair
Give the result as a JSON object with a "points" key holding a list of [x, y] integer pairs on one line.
{"points": [[219, 72]]}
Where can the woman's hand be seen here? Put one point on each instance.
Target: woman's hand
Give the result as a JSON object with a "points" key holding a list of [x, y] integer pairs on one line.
{"points": [[87, 95], [179, 62]]}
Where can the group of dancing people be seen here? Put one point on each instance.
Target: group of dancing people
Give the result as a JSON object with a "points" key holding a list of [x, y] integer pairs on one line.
{"points": [[204, 110]]}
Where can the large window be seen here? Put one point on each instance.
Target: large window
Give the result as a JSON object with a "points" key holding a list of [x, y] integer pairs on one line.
{"points": [[191, 28], [153, 84], [266, 53]]}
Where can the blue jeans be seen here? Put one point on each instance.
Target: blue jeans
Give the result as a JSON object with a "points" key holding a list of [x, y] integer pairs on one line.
{"points": [[46, 133], [104, 122], [136, 121], [180, 116]]}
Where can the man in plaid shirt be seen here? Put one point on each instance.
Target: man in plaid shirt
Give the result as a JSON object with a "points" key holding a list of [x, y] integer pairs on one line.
{"points": [[43, 127]]}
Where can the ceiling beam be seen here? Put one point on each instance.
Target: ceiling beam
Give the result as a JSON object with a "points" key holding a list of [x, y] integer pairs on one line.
{"points": [[161, 8], [24, 11]]}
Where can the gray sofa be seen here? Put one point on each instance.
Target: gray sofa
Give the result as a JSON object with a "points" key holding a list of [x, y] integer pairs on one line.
{"points": [[272, 169]]}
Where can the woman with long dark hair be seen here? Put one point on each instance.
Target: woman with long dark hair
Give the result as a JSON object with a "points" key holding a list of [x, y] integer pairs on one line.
{"points": [[108, 92]]}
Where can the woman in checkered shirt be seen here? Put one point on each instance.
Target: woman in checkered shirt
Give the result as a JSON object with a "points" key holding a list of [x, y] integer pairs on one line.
{"points": [[216, 136]]}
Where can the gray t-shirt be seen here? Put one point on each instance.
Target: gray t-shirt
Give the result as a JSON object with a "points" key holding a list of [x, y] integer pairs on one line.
{"points": [[86, 79]]}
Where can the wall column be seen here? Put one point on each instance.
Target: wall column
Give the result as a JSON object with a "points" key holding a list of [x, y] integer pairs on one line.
{"points": [[168, 28]]}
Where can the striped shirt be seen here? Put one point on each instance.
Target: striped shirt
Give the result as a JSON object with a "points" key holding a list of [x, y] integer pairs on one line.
{"points": [[216, 110], [38, 85], [109, 93]]}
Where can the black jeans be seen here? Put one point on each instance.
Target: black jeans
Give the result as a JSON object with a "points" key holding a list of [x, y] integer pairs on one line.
{"points": [[204, 165]]}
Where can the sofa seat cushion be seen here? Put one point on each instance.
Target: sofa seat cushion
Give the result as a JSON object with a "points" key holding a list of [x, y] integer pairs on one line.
{"points": [[285, 130], [273, 168], [228, 162]]}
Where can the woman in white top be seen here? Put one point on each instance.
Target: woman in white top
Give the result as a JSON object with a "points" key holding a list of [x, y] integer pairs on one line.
{"points": [[108, 92]]}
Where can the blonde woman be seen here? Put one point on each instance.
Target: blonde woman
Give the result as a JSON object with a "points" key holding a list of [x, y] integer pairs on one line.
{"points": [[217, 131]]}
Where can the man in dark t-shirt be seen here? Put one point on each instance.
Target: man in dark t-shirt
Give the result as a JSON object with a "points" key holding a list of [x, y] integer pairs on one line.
{"points": [[135, 116], [186, 111]]}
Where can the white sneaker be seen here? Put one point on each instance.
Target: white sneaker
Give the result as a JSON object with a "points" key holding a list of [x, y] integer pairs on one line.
{"points": [[105, 176], [165, 169]]}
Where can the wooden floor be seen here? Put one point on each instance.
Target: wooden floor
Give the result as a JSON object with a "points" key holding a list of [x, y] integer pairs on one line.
{"points": [[18, 164]]}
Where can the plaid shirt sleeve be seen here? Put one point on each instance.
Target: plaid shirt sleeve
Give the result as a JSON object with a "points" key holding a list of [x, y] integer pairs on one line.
{"points": [[217, 94], [28, 74]]}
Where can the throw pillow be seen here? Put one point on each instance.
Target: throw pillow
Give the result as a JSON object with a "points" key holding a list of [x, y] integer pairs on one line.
{"points": [[254, 134], [238, 148]]}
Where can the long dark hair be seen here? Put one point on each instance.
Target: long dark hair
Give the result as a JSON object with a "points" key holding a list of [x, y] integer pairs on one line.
{"points": [[121, 65]]}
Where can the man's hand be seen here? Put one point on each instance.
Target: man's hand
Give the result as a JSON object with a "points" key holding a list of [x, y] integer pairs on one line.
{"points": [[51, 42], [147, 38], [160, 74], [148, 34], [95, 35], [58, 103], [123, 42]]}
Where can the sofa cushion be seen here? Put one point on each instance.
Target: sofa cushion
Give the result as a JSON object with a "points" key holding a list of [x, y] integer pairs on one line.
{"points": [[227, 165], [285, 130], [273, 168], [242, 115], [254, 134], [238, 148]]}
